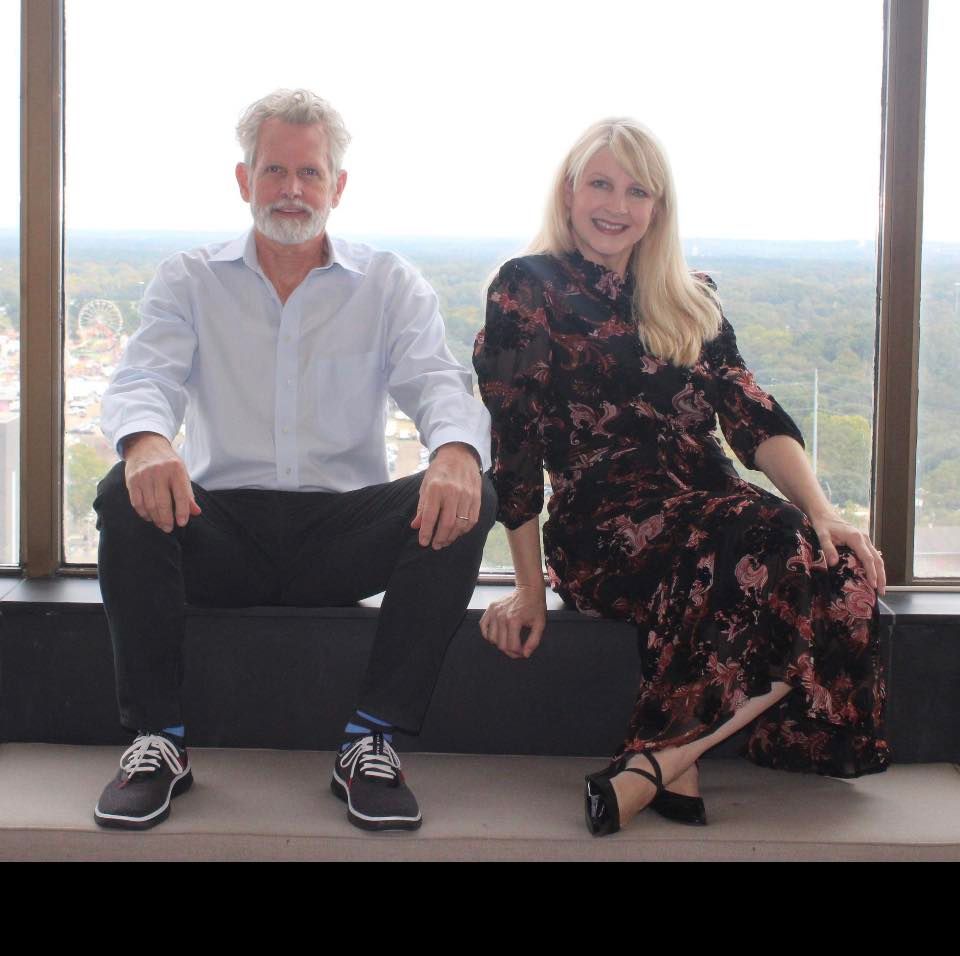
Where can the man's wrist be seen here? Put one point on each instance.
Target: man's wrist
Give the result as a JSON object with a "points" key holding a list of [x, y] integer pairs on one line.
{"points": [[128, 441], [459, 444]]}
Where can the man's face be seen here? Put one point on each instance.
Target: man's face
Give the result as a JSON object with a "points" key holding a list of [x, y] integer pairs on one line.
{"points": [[290, 188]]}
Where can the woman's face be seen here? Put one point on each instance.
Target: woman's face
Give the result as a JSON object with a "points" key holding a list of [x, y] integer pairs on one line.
{"points": [[609, 212]]}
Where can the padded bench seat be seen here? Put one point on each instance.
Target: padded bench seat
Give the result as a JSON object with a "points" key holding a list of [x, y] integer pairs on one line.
{"points": [[284, 678]]}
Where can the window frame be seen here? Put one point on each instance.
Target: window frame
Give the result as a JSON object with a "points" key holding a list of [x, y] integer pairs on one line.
{"points": [[41, 285], [898, 287], [898, 292]]}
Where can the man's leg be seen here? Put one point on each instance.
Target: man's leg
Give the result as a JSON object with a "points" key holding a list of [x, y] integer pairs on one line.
{"points": [[221, 558], [361, 543], [146, 575]]}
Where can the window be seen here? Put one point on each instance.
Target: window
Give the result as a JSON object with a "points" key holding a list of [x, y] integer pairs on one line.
{"points": [[775, 149], [787, 228], [10, 285]]}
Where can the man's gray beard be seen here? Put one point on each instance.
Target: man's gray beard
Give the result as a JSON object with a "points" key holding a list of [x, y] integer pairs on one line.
{"points": [[288, 232]]}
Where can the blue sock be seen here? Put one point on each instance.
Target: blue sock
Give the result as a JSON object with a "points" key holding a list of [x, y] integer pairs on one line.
{"points": [[361, 724], [176, 734]]}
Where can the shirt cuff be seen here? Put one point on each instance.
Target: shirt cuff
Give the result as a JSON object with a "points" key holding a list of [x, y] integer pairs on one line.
{"points": [[446, 435], [154, 425]]}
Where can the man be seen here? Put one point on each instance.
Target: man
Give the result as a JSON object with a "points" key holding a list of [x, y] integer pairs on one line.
{"points": [[281, 348]]}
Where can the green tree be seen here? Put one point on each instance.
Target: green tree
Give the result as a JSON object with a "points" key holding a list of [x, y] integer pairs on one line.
{"points": [[844, 458], [85, 467]]}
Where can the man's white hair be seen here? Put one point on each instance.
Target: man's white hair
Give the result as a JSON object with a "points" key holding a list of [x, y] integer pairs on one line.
{"points": [[293, 106]]}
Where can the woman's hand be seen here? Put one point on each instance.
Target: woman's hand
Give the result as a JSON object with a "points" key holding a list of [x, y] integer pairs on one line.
{"points": [[504, 621], [783, 461], [833, 531]]}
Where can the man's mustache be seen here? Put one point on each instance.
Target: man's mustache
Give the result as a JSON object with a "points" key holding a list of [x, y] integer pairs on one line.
{"points": [[289, 205]]}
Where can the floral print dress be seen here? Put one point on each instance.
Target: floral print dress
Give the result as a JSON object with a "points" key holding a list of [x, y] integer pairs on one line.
{"points": [[650, 523]]}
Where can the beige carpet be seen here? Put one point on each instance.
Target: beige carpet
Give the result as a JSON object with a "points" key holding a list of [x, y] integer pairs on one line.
{"points": [[275, 805]]}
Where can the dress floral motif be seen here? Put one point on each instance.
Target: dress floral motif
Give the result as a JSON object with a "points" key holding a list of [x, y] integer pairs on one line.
{"points": [[650, 523]]}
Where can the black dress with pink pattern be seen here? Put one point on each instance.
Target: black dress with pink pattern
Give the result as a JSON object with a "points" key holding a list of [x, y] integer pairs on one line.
{"points": [[649, 522]]}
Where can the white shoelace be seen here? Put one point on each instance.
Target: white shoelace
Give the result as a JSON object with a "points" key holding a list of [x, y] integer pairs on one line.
{"points": [[374, 761], [145, 754]]}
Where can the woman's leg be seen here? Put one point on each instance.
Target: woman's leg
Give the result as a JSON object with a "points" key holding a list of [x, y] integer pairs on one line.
{"points": [[635, 792], [759, 564]]}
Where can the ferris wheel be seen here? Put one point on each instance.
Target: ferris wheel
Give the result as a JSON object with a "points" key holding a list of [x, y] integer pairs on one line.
{"points": [[100, 312]]}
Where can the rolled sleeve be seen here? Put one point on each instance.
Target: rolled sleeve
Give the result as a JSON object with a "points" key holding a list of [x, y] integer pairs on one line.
{"points": [[147, 393]]}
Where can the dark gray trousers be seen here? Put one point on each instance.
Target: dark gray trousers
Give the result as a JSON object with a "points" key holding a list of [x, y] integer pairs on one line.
{"points": [[304, 549]]}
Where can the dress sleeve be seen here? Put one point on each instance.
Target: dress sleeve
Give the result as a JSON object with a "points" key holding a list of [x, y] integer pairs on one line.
{"points": [[748, 415], [512, 360]]}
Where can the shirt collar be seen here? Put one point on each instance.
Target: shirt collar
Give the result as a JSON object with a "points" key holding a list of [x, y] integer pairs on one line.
{"points": [[234, 249], [340, 253], [245, 247]]}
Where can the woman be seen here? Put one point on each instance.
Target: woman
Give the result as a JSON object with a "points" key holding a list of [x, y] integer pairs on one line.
{"points": [[606, 361]]}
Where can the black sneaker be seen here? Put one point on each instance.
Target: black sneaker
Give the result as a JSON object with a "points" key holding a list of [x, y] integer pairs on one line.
{"points": [[368, 776], [153, 770]]}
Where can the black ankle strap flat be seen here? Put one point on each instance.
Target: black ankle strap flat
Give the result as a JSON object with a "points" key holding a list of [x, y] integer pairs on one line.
{"points": [[657, 780], [602, 813]]}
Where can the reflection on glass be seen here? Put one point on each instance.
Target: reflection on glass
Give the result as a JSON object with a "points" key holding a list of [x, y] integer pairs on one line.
{"points": [[10, 285], [937, 533]]}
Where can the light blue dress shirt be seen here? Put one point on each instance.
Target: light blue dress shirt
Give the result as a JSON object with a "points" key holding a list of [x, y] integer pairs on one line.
{"points": [[290, 396]]}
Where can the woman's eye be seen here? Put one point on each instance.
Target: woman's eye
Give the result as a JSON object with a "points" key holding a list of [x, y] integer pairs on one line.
{"points": [[639, 192], [600, 184]]}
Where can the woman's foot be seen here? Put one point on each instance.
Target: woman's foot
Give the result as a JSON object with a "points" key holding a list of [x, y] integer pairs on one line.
{"points": [[687, 784], [631, 784], [604, 813], [635, 792], [681, 801]]}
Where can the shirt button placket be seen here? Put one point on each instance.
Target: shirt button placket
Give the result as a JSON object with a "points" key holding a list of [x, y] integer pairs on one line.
{"points": [[286, 401]]}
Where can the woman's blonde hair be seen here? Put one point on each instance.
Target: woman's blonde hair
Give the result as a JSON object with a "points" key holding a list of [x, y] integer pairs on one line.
{"points": [[675, 312]]}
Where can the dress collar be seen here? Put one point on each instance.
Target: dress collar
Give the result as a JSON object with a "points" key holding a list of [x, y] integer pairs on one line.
{"points": [[608, 283]]}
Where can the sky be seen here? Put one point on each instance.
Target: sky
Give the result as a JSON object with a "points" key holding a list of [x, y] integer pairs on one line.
{"points": [[770, 112]]}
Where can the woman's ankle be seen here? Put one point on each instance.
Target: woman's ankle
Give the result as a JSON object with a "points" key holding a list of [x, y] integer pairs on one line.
{"points": [[687, 784]]}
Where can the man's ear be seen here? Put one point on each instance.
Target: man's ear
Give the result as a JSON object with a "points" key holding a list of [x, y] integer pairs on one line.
{"points": [[243, 180], [341, 185]]}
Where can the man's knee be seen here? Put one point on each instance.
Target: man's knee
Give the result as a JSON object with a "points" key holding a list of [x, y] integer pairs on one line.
{"points": [[488, 505], [113, 499]]}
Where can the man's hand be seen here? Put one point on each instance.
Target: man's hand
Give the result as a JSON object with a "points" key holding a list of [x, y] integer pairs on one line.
{"points": [[157, 481], [449, 496]]}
